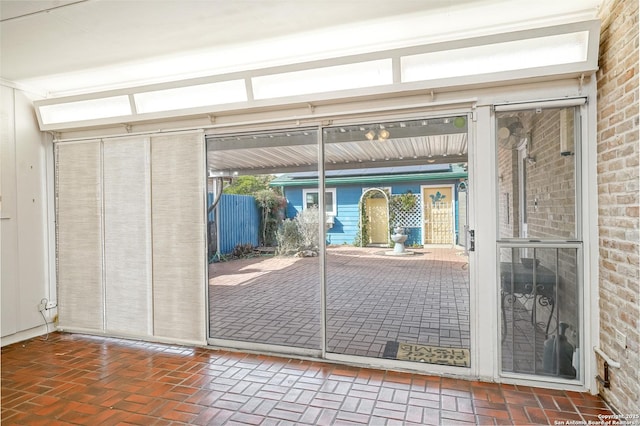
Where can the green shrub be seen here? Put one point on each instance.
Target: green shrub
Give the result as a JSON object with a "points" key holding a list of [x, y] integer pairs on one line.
{"points": [[288, 237], [300, 233], [269, 202]]}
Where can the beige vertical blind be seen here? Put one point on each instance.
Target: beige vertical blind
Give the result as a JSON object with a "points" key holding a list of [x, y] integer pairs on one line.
{"points": [[178, 228], [127, 230], [131, 236], [79, 235]]}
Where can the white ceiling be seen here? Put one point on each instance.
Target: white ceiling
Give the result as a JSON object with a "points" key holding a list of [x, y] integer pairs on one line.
{"points": [[60, 47]]}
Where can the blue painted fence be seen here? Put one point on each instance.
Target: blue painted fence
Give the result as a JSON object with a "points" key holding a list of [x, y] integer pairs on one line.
{"points": [[239, 221]]}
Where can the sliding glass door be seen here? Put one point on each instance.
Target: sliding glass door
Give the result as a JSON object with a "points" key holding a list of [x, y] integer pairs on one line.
{"points": [[364, 256], [392, 291], [264, 269]]}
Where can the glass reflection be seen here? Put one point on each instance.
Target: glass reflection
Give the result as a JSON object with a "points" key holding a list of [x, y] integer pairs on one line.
{"points": [[264, 273], [539, 309], [397, 277]]}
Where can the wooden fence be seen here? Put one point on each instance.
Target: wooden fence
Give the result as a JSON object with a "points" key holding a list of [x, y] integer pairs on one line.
{"points": [[239, 223]]}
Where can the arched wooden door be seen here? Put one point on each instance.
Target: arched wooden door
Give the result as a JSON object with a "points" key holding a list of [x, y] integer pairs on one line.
{"points": [[378, 220]]}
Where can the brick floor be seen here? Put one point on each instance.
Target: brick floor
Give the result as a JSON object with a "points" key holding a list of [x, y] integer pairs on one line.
{"points": [[523, 344], [89, 380], [372, 299]]}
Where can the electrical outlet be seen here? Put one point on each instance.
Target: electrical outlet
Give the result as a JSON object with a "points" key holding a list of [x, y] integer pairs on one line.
{"points": [[51, 305], [621, 338]]}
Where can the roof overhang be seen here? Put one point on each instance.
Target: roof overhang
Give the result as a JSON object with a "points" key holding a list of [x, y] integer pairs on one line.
{"points": [[377, 180]]}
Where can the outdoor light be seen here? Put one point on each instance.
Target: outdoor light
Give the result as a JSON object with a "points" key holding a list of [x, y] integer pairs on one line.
{"points": [[383, 134]]}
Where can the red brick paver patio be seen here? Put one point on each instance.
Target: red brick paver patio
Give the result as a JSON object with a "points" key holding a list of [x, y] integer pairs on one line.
{"points": [[371, 299]]}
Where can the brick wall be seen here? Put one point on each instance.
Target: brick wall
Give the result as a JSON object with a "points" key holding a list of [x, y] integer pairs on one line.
{"points": [[617, 145], [551, 207], [550, 204], [551, 191], [508, 191]]}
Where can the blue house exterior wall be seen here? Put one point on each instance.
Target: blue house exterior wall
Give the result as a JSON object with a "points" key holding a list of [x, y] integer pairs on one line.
{"points": [[345, 228], [345, 225], [294, 202], [346, 221]]}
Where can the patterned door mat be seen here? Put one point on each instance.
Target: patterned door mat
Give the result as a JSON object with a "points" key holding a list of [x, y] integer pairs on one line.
{"points": [[457, 357]]}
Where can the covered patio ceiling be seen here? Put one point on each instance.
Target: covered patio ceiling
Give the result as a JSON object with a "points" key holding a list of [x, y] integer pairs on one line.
{"points": [[419, 142]]}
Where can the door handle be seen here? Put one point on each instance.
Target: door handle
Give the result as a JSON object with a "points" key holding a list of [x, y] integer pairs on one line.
{"points": [[472, 240]]}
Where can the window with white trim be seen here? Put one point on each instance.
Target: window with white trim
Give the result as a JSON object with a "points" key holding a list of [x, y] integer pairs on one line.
{"points": [[310, 199]]}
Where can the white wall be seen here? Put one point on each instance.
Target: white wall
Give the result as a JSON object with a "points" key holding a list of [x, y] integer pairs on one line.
{"points": [[25, 277]]}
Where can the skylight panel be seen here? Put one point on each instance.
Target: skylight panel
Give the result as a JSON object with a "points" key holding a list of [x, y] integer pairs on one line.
{"points": [[224, 92], [498, 57], [93, 109], [327, 79]]}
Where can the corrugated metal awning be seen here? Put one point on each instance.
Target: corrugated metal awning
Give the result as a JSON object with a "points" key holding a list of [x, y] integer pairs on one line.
{"points": [[418, 142]]}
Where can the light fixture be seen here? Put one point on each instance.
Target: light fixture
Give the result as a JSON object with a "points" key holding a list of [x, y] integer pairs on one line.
{"points": [[566, 132], [382, 134]]}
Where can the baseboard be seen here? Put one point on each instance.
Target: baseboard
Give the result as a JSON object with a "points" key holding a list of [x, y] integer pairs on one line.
{"points": [[20, 336]]}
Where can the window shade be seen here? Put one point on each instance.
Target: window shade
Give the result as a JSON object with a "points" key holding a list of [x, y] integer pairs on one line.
{"points": [[127, 230], [79, 236], [178, 230]]}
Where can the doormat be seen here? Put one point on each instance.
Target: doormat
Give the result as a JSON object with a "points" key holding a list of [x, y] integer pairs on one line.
{"points": [[457, 357]]}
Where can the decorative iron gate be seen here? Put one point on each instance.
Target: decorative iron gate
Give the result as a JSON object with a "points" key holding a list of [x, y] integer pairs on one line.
{"points": [[438, 223]]}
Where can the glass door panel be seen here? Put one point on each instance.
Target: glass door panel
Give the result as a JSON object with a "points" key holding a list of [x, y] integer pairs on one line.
{"points": [[539, 242], [537, 174], [264, 272], [540, 314], [389, 295]]}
